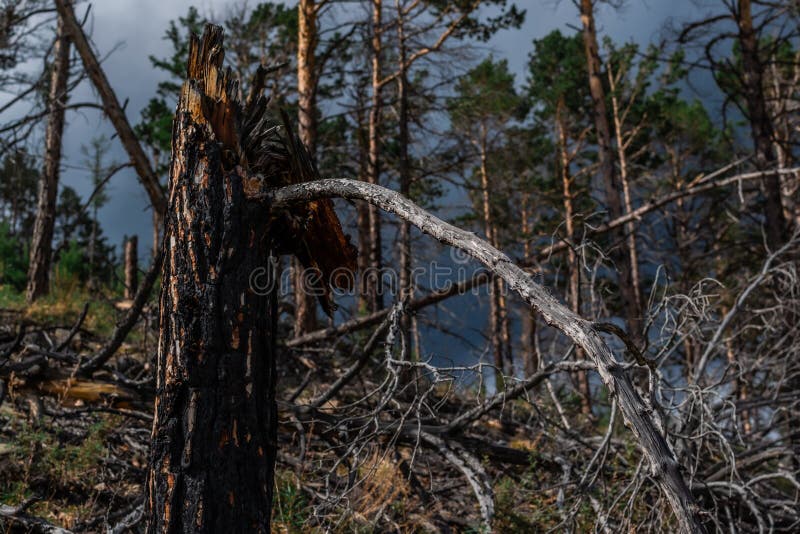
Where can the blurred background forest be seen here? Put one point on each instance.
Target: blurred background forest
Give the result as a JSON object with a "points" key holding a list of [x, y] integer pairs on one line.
{"points": [[639, 161]]}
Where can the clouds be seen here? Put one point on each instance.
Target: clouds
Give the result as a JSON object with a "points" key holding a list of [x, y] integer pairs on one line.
{"points": [[133, 30]]}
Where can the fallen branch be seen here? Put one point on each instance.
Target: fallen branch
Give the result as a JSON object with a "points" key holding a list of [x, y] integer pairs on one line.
{"points": [[74, 330], [374, 318], [663, 465], [16, 514], [472, 469]]}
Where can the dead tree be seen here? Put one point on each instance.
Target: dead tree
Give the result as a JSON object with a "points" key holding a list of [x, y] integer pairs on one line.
{"points": [[214, 432], [112, 107], [131, 267], [42, 242]]}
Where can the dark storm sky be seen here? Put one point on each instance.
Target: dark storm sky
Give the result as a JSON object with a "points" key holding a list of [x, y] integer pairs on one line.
{"points": [[136, 28]]}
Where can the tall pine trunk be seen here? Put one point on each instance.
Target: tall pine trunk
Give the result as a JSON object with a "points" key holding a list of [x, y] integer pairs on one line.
{"points": [[631, 308], [215, 427], [760, 122], [305, 316], [42, 241], [406, 289], [374, 296], [497, 315], [574, 289]]}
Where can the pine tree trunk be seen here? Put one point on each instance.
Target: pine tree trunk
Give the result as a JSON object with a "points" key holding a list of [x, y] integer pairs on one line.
{"points": [[607, 170], [496, 313], [42, 241], [574, 290], [406, 289], [362, 208], [374, 295], [131, 267], [531, 358], [630, 227], [760, 122], [305, 311], [214, 432]]}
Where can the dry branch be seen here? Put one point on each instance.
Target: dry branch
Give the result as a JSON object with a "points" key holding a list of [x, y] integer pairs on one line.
{"points": [[374, 318], [708, 184], [663, 465], [130, 319]]}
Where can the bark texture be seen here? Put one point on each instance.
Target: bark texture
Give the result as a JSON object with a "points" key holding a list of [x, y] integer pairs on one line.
{"points": [[42, 241], [214, 433]]}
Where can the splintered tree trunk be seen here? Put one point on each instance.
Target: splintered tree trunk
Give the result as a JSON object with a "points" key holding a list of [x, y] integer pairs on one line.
{"points": [[214, 432], [131, 267], [305, 316], [42, 242]]}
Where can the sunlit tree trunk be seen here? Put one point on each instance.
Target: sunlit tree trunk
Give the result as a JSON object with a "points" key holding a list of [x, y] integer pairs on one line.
{"points": [[783, 109], [305, 316], [131, 266], [374, 295], [630, 227], [531, 358], [574, 289], [404, 167], [495, 288], [42, 241], [607, 170]]}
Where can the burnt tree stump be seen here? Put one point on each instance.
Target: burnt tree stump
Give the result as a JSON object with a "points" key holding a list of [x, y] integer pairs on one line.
{"points": [[215, 428], [214, 433]]}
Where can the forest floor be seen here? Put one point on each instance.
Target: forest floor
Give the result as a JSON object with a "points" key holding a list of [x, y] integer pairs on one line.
{"points": [[73, 452]]}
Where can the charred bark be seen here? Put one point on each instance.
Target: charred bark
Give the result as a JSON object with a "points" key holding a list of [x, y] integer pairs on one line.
{"points": [[215, 427], [214, 432], [42, 241]]}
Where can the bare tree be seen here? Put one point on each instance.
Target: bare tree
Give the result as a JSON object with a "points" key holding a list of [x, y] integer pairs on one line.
{"points": [[42, 242]]}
